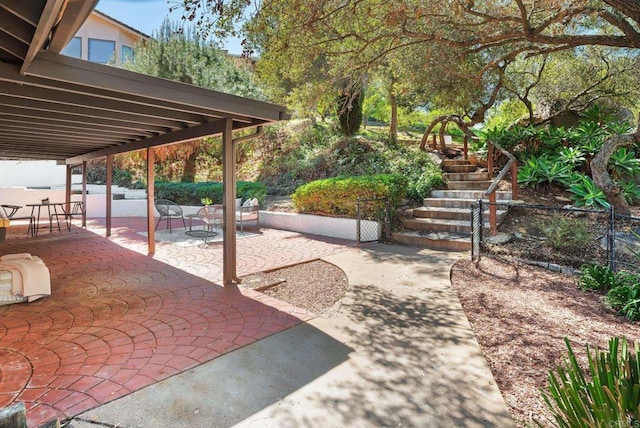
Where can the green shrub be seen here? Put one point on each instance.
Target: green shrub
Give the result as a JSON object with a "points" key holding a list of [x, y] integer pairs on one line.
{"points": [[194, 193], [601, 278], [625, 298], [607, 395], [337, 196], [566, 232]]}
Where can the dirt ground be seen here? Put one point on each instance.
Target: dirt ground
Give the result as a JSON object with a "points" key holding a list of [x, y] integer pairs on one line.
{"points": [[314, 286], [520, 316]]}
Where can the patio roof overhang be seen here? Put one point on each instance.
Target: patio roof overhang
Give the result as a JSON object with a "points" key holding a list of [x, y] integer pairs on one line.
{"points": [[54, 107]]}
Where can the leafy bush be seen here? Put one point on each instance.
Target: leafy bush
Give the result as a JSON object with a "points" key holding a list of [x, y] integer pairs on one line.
{"points": [[194, 193], [601, 278], [566, 232], [607, 395], [625, 298], [543, 169], [338, 195]]}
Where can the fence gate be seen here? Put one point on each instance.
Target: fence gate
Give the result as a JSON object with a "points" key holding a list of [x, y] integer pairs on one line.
{"points": [[476, 230], [372, 220]]}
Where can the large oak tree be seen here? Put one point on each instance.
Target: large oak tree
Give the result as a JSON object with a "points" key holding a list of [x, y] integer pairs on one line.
{"points": [[461, 48]]}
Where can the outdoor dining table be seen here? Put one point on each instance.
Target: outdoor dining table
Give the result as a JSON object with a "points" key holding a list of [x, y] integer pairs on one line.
{"points": [[58, 210]]}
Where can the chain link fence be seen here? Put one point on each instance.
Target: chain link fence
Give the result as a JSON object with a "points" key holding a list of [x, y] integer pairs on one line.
{"points": [[372, 220], [558, 236]]}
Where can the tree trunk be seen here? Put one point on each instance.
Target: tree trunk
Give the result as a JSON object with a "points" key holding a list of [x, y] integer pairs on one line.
{"points": [[189, 171], [601, 176], [393, 125], [425, 136]]}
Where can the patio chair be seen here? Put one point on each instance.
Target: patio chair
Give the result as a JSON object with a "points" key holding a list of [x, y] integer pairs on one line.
{"points": [[168, 210], [249, 212], [211, 216], [76, 209], [10, 213]]}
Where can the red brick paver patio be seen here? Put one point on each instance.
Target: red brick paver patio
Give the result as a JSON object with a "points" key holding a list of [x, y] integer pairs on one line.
{"points": [[118, 320]]}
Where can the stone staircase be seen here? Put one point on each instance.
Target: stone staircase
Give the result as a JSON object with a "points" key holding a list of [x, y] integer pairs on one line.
{"points": [[444, 220]]}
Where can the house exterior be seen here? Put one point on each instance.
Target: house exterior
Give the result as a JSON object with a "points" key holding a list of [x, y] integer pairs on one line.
{"points": [[103, 38]]}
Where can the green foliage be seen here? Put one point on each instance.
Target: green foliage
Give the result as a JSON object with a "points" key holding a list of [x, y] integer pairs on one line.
{"points": [[600, 278], [587, 194], [623, 163], [506, 113], [607, 395], [566, 232], [338, 195], [572, 156], [588, 136], [630, 189], [291, 158], [543, 169], [97, 174], [180, 55], [626, 298], [195, 193]]}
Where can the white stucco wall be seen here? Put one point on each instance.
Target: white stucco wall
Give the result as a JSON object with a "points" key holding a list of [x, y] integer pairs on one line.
{"points": [[32, 173], [343, 228]]}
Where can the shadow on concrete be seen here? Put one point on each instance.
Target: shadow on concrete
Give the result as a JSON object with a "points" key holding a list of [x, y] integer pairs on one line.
{"points": [[232, 388]]}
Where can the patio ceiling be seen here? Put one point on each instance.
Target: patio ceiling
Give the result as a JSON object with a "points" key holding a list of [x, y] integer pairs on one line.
{"points": [[60, 108]]}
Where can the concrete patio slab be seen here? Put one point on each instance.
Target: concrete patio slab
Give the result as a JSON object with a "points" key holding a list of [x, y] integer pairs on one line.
{"points": [[397, 350], [118, 320]]}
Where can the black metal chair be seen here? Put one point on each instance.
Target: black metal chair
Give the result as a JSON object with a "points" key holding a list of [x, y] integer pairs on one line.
{"points": [[10, 212], [168, 210], [76, 209]]}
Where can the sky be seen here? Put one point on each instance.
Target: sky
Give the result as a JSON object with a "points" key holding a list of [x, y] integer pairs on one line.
{"points": [[147, 15]]}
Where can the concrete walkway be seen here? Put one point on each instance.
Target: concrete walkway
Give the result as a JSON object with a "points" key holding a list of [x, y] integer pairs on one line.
{"points": [[397, 351]]}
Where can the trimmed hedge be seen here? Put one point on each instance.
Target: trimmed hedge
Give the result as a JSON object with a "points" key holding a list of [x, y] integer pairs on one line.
{"points": [[192, 193], [337, 196]]}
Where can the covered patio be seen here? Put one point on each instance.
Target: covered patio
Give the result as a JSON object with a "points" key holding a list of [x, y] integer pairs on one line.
{"points": [[118, 320], [54, 107], [123, 313]]}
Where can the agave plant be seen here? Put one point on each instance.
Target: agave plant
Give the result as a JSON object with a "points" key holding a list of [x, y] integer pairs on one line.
{"points": [[587, 194], [589, 136], [624, 163], [571, 155]]}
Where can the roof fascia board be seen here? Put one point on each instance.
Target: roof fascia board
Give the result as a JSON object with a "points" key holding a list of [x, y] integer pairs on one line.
{"points": [[66, 69], [48, 18], [75, 14]]}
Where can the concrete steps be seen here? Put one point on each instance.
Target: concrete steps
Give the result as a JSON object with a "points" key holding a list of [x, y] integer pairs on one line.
{"points": [[444, 220], [448, 213]]}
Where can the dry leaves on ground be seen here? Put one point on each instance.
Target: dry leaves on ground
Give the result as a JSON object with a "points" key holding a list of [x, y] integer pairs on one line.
{"points": [[520, 315]]}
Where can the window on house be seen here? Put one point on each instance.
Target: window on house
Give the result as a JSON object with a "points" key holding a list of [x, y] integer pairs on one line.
{"points": [[101, 50], [126, 54], [73, 48]]}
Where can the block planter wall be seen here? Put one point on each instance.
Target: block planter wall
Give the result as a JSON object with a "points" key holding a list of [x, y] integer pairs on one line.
{"points": [[332, 227]]}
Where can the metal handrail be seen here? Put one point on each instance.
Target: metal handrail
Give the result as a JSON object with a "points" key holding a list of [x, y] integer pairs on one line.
{"points": [[512, 164]]}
